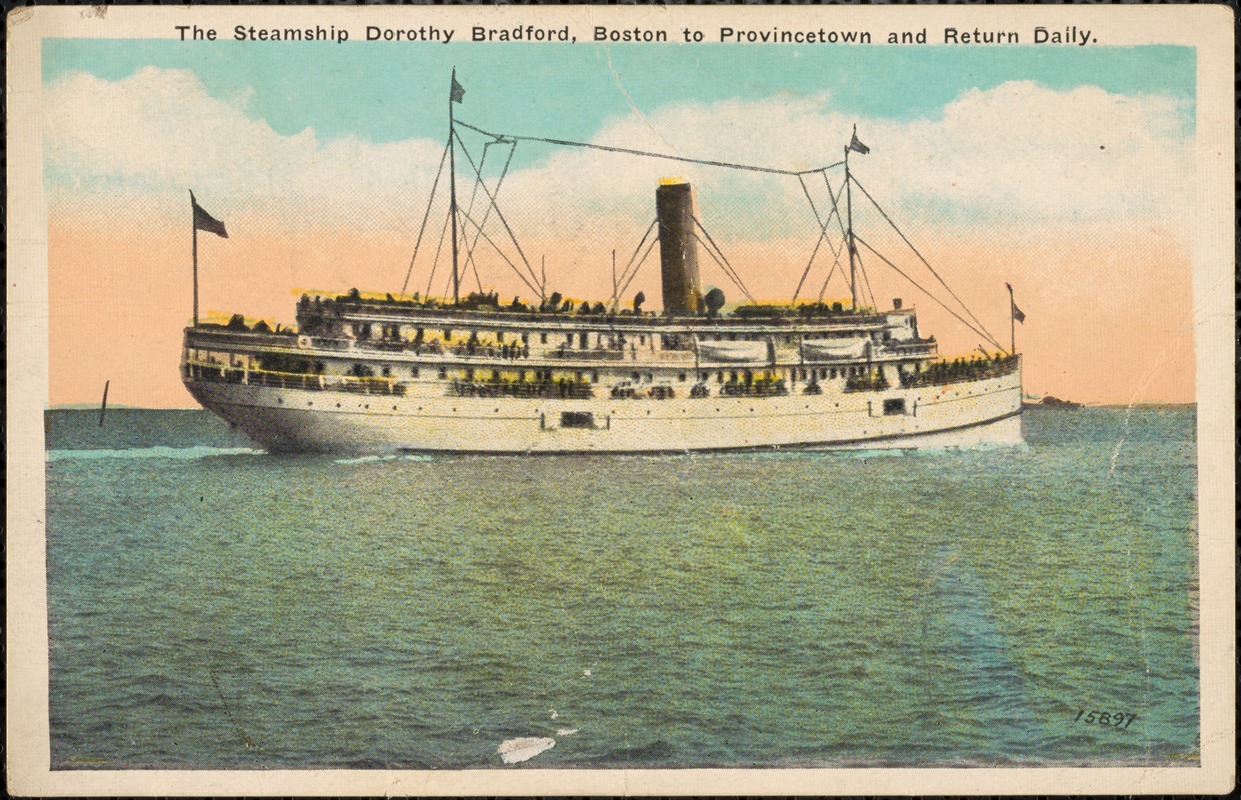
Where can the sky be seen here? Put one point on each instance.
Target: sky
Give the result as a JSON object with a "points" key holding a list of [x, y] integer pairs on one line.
{"points": [[1067, 173]]}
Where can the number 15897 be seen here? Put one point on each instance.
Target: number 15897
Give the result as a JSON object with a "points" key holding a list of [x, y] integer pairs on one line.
{"points": [[1114, 719]]}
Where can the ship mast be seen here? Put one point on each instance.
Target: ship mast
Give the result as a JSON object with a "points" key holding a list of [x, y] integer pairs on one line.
{"points": [[849, 230], [455, 93]]}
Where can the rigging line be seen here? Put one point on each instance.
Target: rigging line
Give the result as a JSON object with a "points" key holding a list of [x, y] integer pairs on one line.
{"points": [[625, 272], [499, 183], [717, 261], [828, 279], [628, 151], [425, 217], [493, 204], [923, 260], [835, 198], [469, 253], [916, 285], [499, 213], [822, 231], [813, 207], [487, 238], [740, 285], [822, 236], [438, 249], [866, 278], [728, 271], [806, 273], [641, 261], [832, 271]]}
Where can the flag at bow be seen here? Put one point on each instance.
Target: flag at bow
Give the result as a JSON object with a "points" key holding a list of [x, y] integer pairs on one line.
{"points": [[1018, 314], [856, 145], [457, 93], [205, 222]]}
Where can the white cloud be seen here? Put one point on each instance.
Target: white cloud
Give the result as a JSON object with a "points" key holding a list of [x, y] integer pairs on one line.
{"points": [[1017, 153], [158, 131]]}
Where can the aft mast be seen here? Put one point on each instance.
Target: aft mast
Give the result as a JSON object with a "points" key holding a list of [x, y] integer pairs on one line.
{"points": [[455, 94], [854, 144]]}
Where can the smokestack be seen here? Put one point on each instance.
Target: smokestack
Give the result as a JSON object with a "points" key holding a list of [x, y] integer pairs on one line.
{"points": [[678, 252]]}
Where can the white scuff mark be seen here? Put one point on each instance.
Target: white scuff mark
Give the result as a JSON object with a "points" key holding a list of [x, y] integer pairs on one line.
{"points": [[585, 673], [514, 751], [607, 51], [553, 712], [1116, 450], [566, 731]]}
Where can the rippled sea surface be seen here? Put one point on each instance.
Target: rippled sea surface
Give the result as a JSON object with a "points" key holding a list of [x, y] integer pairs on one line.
{"points": [[214, 606]]}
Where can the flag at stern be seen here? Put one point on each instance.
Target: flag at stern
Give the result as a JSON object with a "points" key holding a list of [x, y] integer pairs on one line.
{"points": [[205, 222]]}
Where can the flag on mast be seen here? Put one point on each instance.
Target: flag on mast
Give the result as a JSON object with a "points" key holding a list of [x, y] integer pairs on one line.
{"points": [[205, 222], [1018, 314], [457, 93], [856, 145]]}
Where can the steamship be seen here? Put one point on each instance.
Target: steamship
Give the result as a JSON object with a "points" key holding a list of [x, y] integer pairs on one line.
{"points": [[372, 374]]}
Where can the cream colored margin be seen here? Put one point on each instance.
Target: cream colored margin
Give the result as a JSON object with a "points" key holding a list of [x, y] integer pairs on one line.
{"points": [[1208, 28]]}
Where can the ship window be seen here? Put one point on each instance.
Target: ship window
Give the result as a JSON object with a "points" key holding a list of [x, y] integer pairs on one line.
{"points": [[585, 340], [469, 374], [833, 372], [594, 377], [894, 406], [543, 338], [719, 377], [732, 377], [413, 373], [650, 378], [443, 373], [578, 375], [635, 376], [642, 339], [577, 419], [681, 377], [448, 334], [499, 337], [387, 372]]}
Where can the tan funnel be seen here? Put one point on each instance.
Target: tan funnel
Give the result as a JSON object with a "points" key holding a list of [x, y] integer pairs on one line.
{"points": [[678, 251]]}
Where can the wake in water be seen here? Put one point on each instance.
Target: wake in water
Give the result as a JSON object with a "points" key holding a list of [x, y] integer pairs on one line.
{"points": [[182, 453]]}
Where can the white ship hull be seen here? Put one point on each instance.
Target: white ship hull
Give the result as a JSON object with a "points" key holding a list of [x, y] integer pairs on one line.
{"points": [[967, 413]]}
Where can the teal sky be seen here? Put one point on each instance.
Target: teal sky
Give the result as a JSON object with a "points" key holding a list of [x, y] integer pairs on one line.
{"points": [[392, 91]]}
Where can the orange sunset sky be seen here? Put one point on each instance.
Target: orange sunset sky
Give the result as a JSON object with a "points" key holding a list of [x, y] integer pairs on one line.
{"points": [[1078, 194]]}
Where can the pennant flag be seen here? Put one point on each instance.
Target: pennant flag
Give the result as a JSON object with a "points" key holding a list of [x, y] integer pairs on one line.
{"points": [[856, 145], [1018, 314], [205, 222], [457, 93]]}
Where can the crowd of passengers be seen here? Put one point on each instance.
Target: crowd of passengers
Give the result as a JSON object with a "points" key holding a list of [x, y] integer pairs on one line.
{"points": [[960, 369], [563, 388]]}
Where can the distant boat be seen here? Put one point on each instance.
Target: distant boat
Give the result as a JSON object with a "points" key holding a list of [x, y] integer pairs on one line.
{"points": [[1054, 402]]}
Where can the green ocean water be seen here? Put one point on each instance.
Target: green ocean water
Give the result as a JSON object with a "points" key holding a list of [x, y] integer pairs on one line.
{"points": [[214, 606]]}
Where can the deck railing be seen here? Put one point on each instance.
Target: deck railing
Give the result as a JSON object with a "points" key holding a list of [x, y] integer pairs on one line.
{"points": [[223, 373]]}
